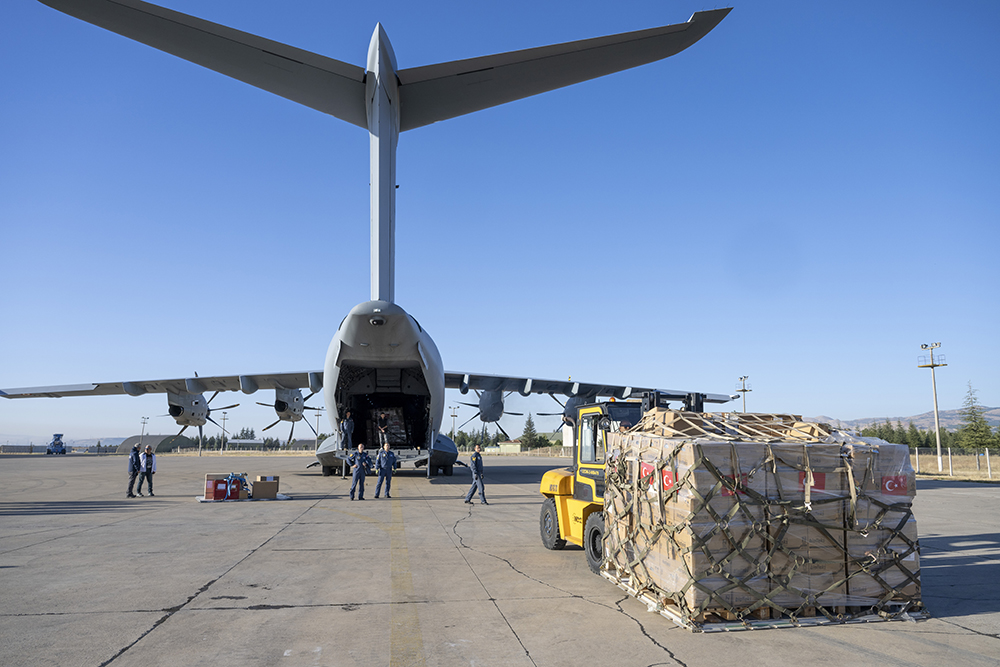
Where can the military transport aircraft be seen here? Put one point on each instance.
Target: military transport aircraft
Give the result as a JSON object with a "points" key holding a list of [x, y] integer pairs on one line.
{"points": [[380, 359]]}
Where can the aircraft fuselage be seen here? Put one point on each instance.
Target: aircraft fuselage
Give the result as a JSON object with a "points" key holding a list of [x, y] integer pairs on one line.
{"points": [[382, 360]]}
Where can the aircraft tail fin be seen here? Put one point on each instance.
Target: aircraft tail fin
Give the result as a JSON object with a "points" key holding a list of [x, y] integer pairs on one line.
{"points": [[446, 90]]}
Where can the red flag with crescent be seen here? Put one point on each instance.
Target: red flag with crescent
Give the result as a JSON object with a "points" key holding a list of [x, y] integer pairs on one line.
{"points": [[894, 485], [646, 469]]}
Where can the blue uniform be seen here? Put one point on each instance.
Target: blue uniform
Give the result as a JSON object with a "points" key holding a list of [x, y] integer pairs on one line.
{"points": [[364, 465], [347, 429], [476, 465], [133, 469], [385, 463]]}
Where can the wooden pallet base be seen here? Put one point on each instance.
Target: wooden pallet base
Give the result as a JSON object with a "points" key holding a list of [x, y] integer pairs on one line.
{"points": [[724, 620]]}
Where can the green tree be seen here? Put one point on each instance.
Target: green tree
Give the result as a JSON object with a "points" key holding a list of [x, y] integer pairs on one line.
{"points": [[975, 431], [529, 435], [245, 434], [913, 436]]}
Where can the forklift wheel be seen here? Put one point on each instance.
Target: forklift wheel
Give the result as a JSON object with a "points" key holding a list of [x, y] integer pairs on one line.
{"points": [[548, 525], [593, 540]]}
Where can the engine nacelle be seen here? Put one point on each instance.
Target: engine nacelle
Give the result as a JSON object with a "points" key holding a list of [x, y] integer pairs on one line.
{"points": [[288, 404], [491, 406], [188, 409]]}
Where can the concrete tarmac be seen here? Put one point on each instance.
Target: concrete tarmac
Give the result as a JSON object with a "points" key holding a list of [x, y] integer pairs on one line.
{"points": [[88, 577]]}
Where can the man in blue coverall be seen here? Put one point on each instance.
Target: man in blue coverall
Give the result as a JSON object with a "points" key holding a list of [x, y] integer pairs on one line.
{"points": [[347, 430], [385, 463], [476, 464], [361, 464]]}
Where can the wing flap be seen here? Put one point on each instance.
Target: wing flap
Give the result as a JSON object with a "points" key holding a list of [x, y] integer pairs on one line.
{"points": [[446, 90], [333, 87]]}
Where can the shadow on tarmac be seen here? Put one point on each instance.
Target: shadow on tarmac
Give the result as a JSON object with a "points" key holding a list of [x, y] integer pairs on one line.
{"points": [[67, 507], [956, 582]]}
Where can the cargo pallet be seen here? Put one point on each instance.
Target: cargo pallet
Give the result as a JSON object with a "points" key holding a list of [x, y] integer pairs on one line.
{"points": [[724, 620]]}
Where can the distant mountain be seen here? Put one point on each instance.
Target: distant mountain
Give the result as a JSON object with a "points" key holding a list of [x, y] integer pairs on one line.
{"points": [[950, 420]]}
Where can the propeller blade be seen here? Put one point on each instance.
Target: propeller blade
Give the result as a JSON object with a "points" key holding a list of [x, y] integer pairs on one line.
{"points": [[291, 431], [228, 407], [311, 428], [502, 431], [519, 414], [181, 431], [471, 405], [561, 404], [266, 405], [309, 396], [216, 423], [201, 437], [213, 395], [307, 407], [274, 424], [470, 419], [542, 414]]}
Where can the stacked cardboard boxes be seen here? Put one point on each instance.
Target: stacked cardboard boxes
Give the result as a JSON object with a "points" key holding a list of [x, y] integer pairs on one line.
{"points": [[760, 514], [266, 486], [218, 486]]}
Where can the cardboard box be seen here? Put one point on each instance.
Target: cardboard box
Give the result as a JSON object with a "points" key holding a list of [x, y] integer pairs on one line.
{"points": [[264, 489], [267, 478]]}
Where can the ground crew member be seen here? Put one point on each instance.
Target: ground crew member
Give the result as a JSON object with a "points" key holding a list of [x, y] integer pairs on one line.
{"points": [[133, 469], [147, 468], [361, 464], [476, 464], [385, 463], [383, 428], [346, 430]]}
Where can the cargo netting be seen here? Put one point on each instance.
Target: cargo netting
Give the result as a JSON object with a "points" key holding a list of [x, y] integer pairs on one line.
{"points": [[742, 517]]}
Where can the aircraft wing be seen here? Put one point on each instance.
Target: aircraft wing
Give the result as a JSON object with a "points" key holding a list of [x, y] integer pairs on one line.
{"points": [[446, 90], [525, 386], [318, 82], [248, 384]]}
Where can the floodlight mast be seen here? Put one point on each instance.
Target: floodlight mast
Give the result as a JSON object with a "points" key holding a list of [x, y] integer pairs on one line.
{"points": [[743, 389], [932, 366]]}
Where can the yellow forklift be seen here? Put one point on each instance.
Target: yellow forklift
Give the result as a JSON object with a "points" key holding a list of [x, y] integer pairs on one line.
{"points": [[573, 509]]}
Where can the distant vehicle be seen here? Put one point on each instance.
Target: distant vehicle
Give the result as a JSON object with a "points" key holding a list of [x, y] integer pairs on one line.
{"points": [[56, 446]]}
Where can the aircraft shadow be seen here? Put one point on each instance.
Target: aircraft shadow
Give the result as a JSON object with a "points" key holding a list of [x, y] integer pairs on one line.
{"points": [[956, 582], [40, 508]]}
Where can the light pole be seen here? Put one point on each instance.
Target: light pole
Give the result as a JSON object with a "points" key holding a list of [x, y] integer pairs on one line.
{"points": [[454, 416], [923, 363], [743, 389], [143, 432], [222, 446]]}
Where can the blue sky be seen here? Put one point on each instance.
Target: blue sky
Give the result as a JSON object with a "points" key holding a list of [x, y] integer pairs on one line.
{"points": [[805, 196]]}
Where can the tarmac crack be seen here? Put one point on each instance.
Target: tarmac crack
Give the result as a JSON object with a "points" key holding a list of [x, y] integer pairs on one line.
{"points": [[170, 611], [642, 629], [975, 632]]}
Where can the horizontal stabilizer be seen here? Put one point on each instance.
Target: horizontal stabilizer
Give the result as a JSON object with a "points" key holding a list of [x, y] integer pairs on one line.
{"points": [[439, 92], [318, 82]]}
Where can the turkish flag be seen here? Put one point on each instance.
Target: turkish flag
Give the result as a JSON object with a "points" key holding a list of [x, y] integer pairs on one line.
{"points": [[819, 480], [744, 479], [646, 469], [894, 485]]}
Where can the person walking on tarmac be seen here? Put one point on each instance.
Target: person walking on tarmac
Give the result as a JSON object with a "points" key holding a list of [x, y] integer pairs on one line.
{"points": [[133, 469], [385, 464], [476, 464], [147, 468], [347, 430], [361, 464]]}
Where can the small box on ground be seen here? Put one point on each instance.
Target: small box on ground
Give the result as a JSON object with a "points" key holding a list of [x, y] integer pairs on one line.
{"points": [[266, 486], [218, 486]]}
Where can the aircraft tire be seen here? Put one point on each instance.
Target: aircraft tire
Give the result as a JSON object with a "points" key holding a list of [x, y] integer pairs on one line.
{"points": [[449, 471], [548, 526], [593, 541], [327, 471]]}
